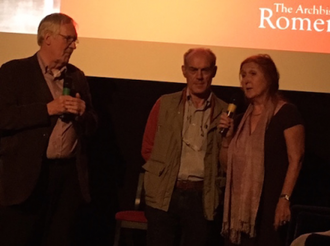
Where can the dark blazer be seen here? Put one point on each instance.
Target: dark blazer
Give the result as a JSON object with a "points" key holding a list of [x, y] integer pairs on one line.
{"points": [[25, 127]]}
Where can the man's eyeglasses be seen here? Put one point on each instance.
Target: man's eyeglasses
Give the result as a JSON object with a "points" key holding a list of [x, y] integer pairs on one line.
{"points": [[69, 39]]}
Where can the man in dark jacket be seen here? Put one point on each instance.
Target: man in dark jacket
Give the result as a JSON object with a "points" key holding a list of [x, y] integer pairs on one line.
{"points": [[44, 126]]}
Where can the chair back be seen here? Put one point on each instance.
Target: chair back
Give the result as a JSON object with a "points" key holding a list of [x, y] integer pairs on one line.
{"points": [[307, 219]]}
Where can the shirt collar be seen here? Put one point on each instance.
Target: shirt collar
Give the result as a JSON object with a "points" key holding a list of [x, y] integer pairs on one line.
{"points": [[207, 102], [56, 73]]}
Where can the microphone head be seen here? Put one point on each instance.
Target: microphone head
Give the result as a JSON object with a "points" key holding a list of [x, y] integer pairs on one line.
{"points": [[231, 108], [233, 103]]}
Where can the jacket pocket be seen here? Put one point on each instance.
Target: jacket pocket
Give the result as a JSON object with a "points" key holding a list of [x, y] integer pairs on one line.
{"points": [[155, 167], [154, 182]]}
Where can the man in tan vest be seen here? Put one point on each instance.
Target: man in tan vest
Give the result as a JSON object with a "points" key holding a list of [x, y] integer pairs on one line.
{"points": [[181, 144]]}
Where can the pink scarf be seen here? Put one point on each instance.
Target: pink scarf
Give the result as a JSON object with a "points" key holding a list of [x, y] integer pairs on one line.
{"points": [[245, 176]]}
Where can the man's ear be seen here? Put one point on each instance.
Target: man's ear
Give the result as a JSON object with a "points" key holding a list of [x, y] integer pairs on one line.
{"points": [[214, 71], [183, 68], [48, 38]]}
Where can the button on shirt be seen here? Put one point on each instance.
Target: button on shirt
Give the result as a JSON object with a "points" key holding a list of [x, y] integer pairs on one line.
{"points": [[63, 139], [194, 134]]}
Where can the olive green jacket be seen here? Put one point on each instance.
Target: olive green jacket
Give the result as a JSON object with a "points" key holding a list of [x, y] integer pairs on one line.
{"points": [[162, 168]]}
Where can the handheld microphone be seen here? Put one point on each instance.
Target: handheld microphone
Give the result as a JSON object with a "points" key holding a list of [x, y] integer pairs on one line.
{"points": [[67, 84], [230, 112]]}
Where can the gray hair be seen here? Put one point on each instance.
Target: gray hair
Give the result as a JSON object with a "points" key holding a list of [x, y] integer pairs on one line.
{"points": [[51, 24]]}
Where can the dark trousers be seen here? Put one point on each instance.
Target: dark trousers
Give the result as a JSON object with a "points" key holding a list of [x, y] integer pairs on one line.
{"points": [[183, 224], [47, 217]]}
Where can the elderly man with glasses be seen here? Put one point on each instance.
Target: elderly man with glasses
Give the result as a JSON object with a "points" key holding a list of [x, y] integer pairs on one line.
{"points": [[46, 117]]}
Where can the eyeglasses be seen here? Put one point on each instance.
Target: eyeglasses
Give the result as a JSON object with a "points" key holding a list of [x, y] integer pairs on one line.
{"points": [[69, 39]]}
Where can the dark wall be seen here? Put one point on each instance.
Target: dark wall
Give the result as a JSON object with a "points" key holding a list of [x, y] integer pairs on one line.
{"points": [[123, 107]]}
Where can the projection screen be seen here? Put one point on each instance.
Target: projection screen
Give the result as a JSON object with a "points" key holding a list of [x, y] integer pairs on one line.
{"points": [[145, 40]]}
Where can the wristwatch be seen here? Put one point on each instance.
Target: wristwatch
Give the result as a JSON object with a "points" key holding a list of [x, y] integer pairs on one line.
{"points": [[285, 196]]}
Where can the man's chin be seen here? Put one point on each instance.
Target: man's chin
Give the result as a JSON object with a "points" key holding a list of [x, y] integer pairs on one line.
{"points": [[66, 58], [201, 93]]}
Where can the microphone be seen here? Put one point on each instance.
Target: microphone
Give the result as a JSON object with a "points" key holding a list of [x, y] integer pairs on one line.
{"points": [[230, 112], [67, 85]]}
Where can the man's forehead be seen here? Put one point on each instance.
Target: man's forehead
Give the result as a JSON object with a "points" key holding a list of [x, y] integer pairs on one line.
{"points": [[200, 62], [69, 27], [199, 56]]}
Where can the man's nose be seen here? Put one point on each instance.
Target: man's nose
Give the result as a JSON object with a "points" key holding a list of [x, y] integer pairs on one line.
{"points": [[199, 74], [73, 45]]}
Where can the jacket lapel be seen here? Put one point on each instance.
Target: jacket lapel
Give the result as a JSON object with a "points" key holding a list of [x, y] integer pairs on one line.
{"points": [[38, 82], [39, 85]]}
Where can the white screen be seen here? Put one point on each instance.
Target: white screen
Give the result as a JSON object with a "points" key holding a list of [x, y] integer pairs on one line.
{"points": [[145, 40]]}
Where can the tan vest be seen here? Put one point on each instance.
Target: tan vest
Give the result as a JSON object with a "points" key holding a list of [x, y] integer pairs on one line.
{"points": [[163, 166]]}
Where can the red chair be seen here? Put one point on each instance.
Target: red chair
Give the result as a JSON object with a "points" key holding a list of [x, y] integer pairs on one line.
{"points": [[131, 219]]}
